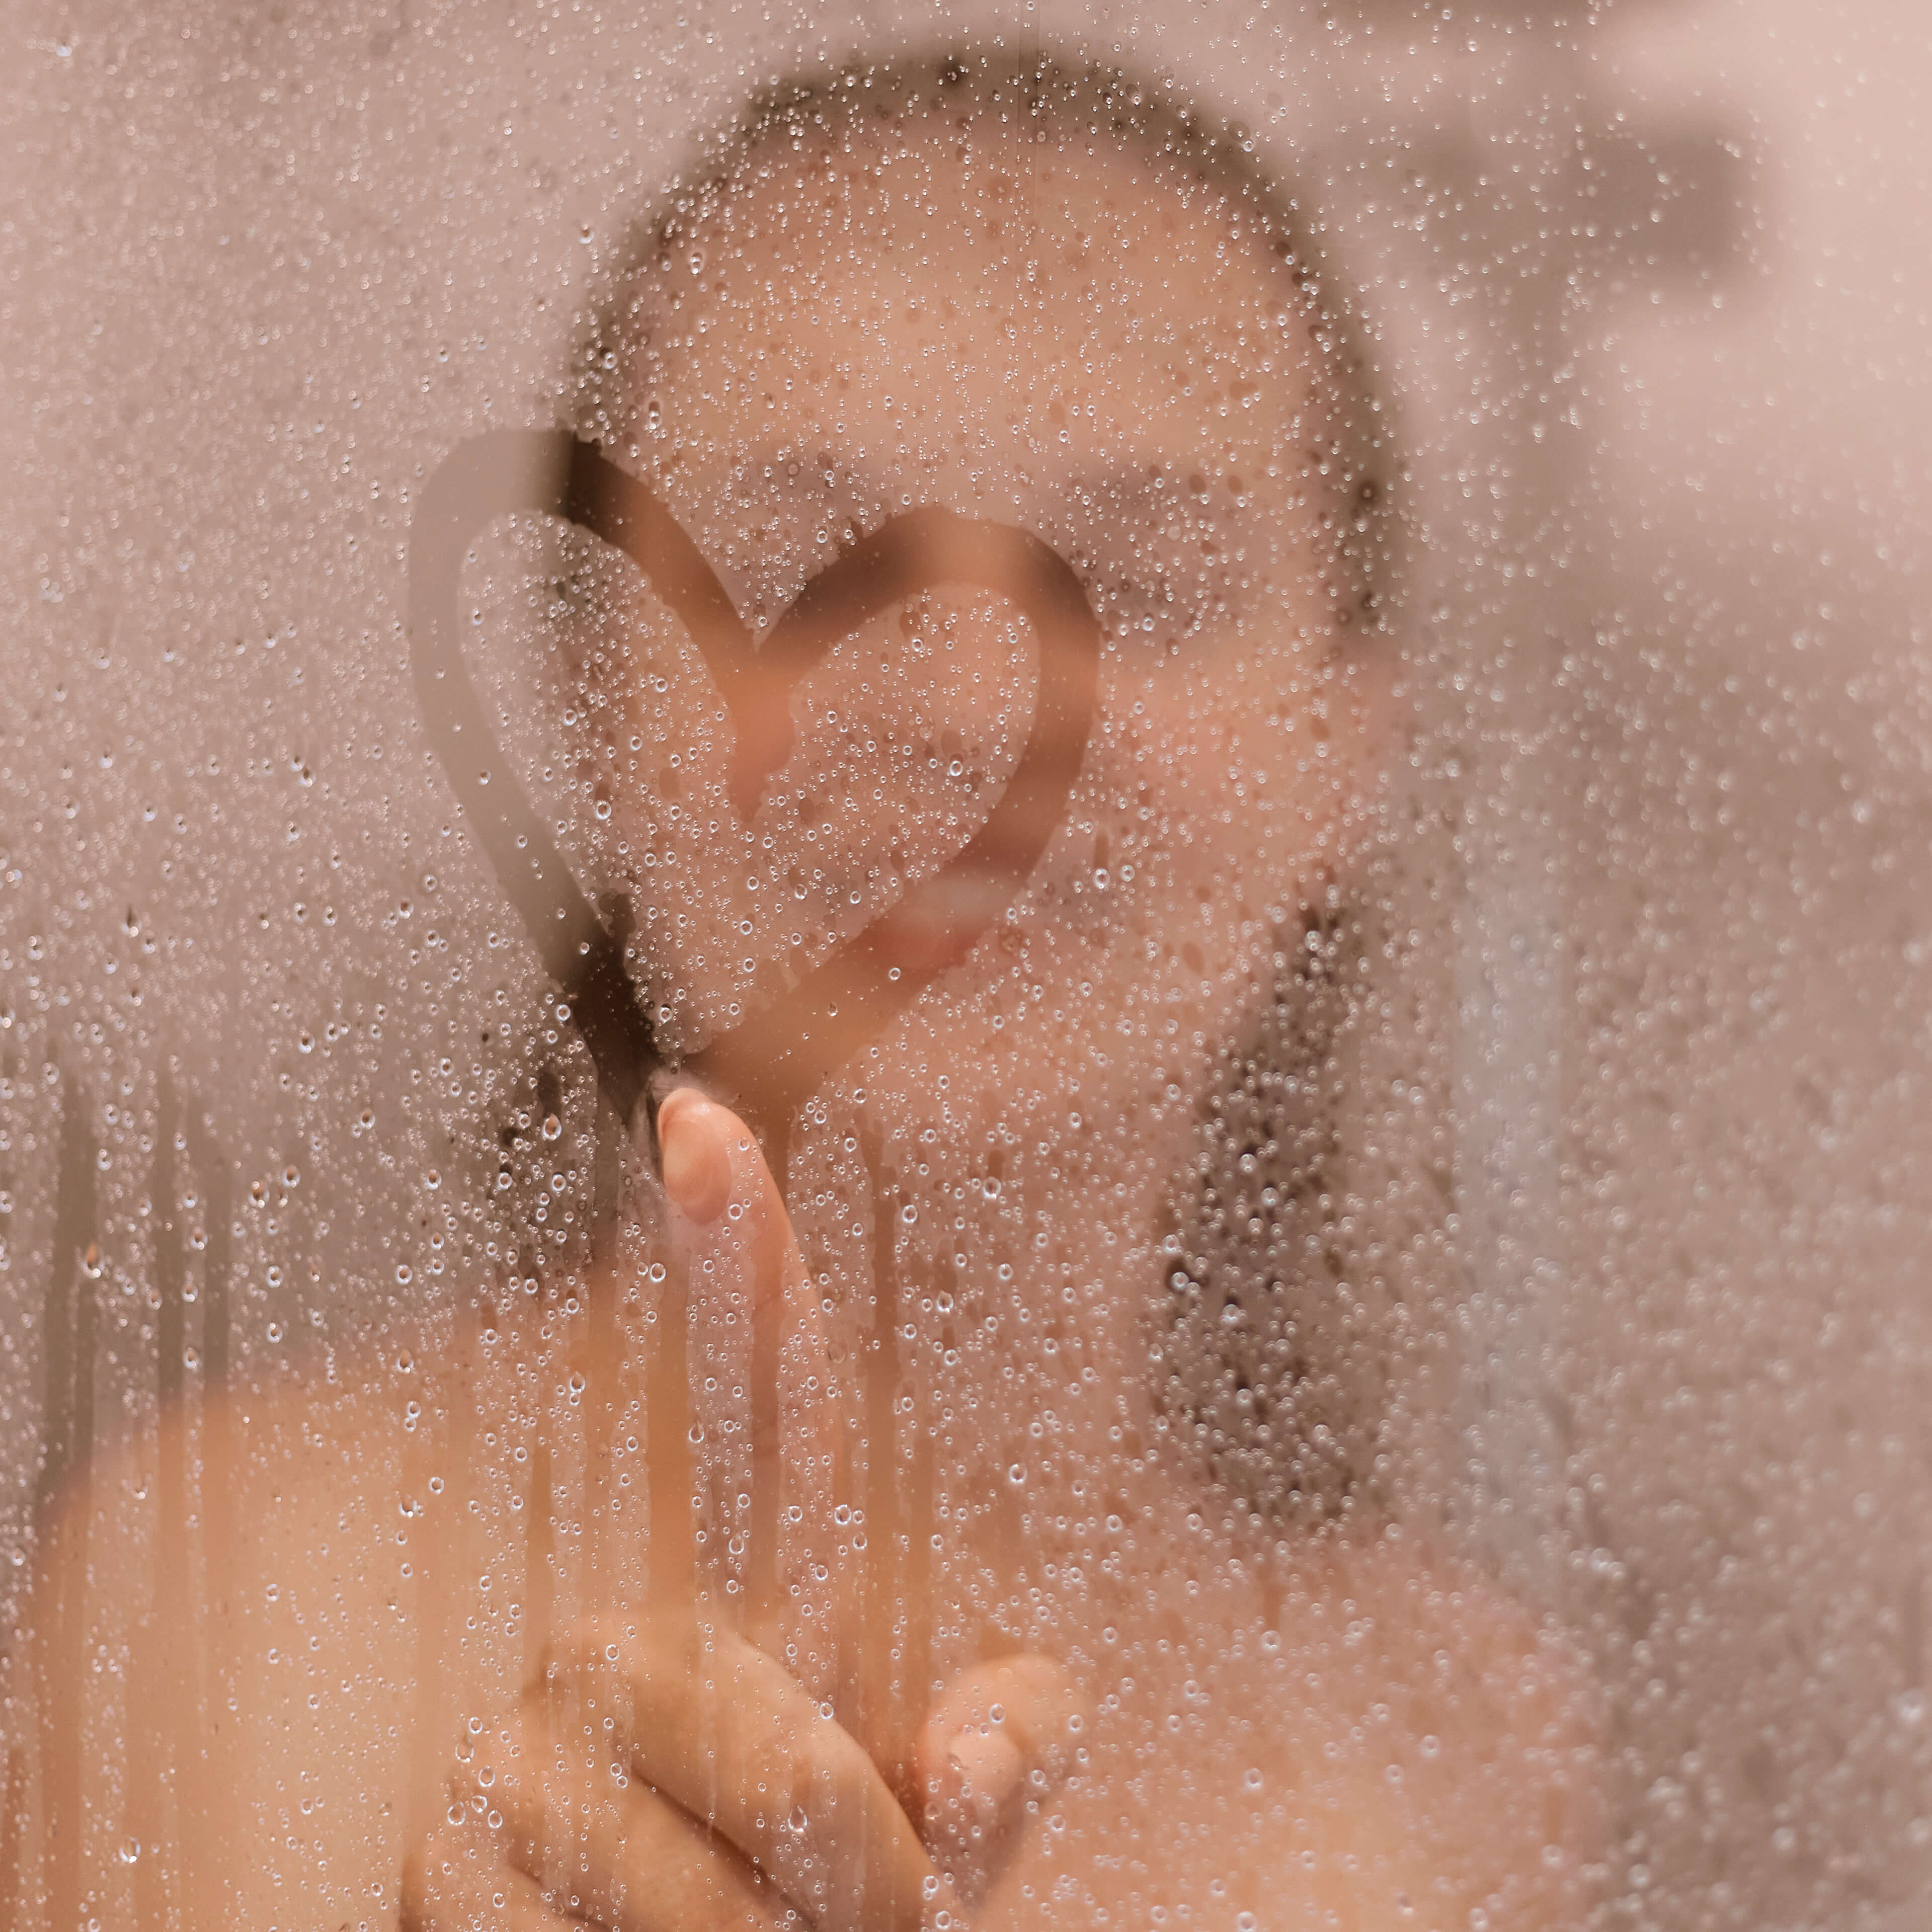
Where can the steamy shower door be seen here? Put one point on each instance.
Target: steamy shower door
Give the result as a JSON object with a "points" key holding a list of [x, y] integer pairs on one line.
{"points": [[962, 974]]}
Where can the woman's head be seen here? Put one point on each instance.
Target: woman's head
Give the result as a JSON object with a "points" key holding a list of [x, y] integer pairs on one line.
{"points": [[1038, 299]]}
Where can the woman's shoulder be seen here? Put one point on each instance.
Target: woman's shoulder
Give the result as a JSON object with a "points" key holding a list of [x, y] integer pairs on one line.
{"points": [[1379, 1733], [237, 1481], [240, 1589]]}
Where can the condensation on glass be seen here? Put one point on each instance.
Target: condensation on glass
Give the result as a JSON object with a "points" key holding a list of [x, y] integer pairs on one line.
{"points": [[1231, 694]]}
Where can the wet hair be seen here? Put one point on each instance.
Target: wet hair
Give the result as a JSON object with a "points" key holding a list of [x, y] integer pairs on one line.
{"points": [[1268, 1365], [1348, 449]]}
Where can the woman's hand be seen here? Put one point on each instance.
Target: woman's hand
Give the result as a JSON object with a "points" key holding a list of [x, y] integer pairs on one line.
{"points": [[670, 1777], [663, 1776], [663, 1773]]}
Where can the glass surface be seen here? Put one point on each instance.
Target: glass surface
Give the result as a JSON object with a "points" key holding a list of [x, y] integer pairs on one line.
{"points": [[963, 974]]}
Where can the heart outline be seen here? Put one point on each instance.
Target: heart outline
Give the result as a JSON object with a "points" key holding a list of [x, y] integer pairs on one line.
{"points": [[556, 473]]}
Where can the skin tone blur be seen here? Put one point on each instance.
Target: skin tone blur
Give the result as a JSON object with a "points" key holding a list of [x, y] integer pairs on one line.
{"points": [[1123, 1699]]}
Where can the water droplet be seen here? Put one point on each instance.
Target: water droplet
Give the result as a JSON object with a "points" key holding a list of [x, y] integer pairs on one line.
{"points": [[552, 1126]]}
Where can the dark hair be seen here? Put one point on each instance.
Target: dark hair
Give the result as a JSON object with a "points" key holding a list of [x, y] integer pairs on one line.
{"points": [[1268, 1368], [1352, 451]]}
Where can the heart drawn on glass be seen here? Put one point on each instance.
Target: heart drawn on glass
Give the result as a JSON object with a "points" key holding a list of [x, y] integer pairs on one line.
{"points": [[789, 1041]]}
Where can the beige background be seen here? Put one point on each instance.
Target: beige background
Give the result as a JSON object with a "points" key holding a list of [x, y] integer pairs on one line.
{"points": [[260, 268]]}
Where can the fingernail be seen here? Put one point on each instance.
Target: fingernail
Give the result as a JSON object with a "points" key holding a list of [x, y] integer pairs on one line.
{"points": [[989, 1767], [697, 1161]]}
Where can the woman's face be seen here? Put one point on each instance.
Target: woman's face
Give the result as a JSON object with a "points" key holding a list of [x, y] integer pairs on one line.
{"points": [[1039, 333]]}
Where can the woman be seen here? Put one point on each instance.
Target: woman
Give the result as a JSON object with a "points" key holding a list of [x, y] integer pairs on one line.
{"points": [[840, 1567]]}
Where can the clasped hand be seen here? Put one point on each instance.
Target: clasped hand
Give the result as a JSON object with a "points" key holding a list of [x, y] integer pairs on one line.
{"points": [[663, 1773]]}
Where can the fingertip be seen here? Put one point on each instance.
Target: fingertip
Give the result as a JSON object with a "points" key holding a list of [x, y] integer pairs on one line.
{"points": [[1055, 1707], [695, 1135], [1032, 1705], [988, 1768]]}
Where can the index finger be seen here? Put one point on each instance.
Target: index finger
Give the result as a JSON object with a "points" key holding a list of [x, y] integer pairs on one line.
{"points": [[731, 1229]]}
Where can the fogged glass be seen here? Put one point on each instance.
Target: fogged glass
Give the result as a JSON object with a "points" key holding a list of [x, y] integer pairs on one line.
{"points": [[961, 982]]}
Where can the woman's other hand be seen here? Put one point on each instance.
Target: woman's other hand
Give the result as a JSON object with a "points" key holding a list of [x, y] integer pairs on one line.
{"points": [[661, 1776]]}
